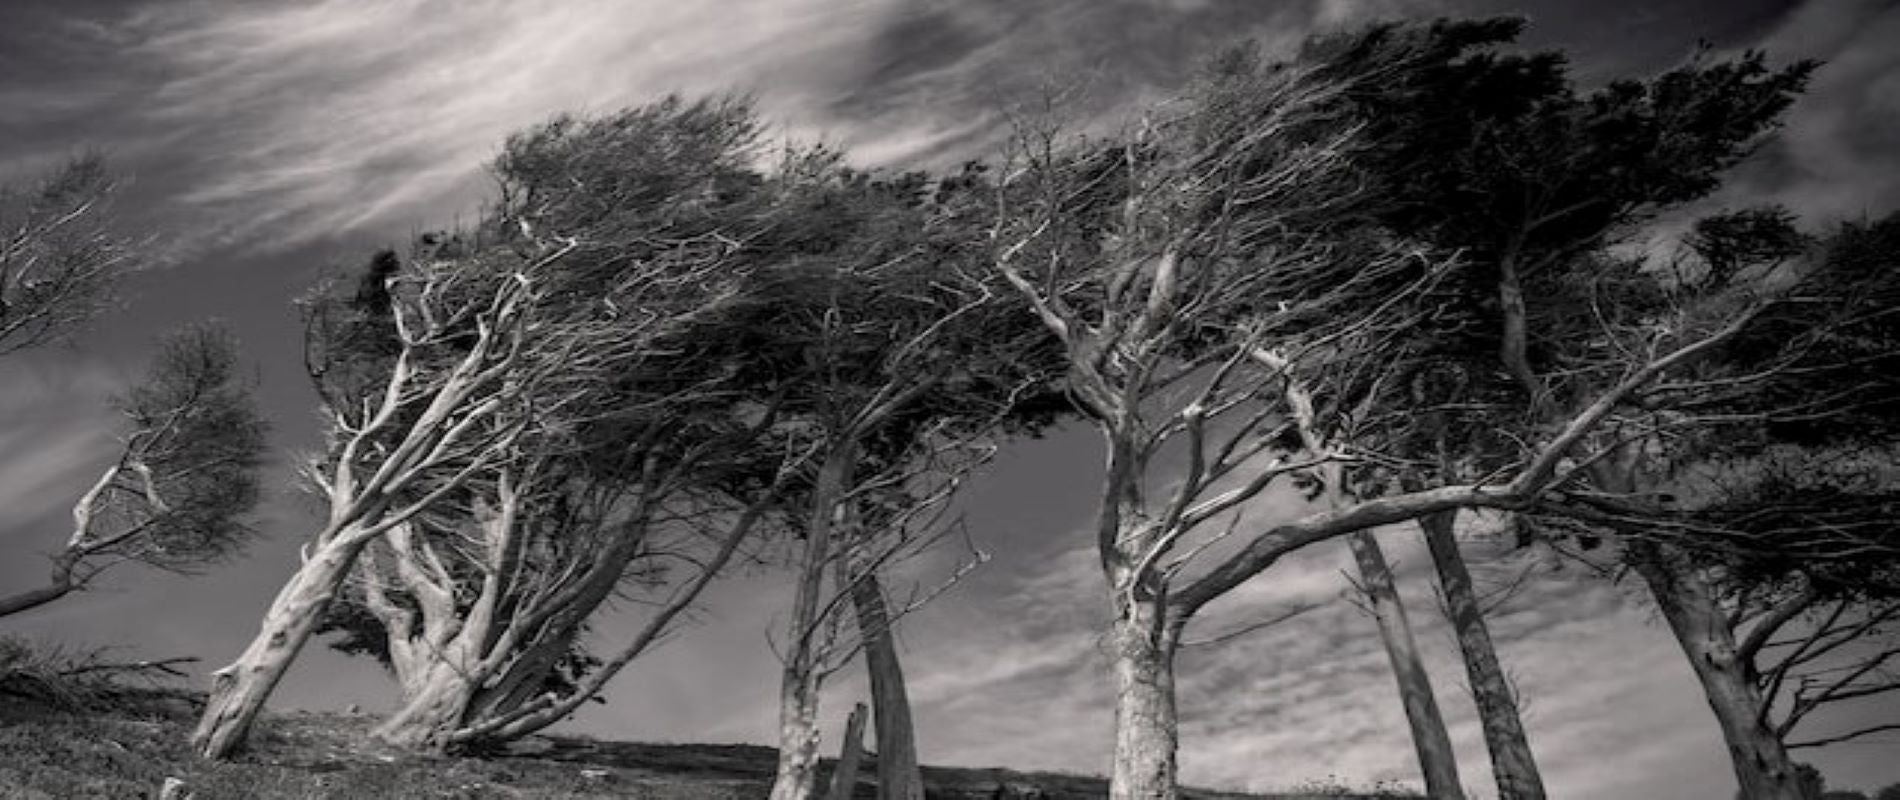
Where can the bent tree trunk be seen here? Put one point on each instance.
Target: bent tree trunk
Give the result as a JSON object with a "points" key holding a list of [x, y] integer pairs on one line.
{"points": [[435, 704], [1511, 761], [1762, 766], [898, 776], [1435, 757], [462, 665], [1142, 641], [238, 690]]}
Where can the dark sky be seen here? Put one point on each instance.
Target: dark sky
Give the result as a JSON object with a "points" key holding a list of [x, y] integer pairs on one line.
{"points": [[268, 140]]}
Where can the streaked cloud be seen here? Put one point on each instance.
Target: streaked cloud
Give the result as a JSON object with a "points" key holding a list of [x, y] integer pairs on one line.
{"points": [[281, 122], [50, 447], [311, 119]]}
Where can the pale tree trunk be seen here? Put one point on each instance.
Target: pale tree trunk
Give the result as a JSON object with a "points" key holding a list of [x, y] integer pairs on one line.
{"points": [[461, 661], [1762, 766], [797, 773], [797, 776], [429, 650], [844, 776], [1142, 636], [436, 675], [898, 776], [1435, 756], [1511, 761], [1143, 642], [238, 690], [435, 704]]}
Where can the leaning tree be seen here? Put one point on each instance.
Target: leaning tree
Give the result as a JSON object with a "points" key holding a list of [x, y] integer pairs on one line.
{"points": [[1226, 245], [495, 345], [902, 371], [1500, 157], [648, 482], [453, 402], [482, 354], [176, 494], [1754, 497], [1171, 268], [479, 603]]}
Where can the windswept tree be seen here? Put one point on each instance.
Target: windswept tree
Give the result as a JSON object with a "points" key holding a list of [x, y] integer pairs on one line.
{"points": [[1799, 558], [1777, 579], [1165, 266], [479, 603], [1378, 589], [646, 482], [61, 253], [185, 476], [902, 371], [1755, 499], [1500, 157], [452, 404], [1229, 245]]}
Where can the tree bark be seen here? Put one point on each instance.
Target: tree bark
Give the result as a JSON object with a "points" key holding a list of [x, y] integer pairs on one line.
{"points": [[1435, 756], [844, 776], [1514, 347], [435, 705], [898, 775], [526, 677], [461, 665], [1146, 727], [1512, 763], [1762, 766], [238, 690], [797, 774]]}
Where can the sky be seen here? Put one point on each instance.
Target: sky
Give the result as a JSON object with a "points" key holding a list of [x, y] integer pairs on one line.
{"points": [[265, 141]]}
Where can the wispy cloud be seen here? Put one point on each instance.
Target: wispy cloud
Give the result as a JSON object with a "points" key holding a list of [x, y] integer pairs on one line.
{"points": [[316, 118], [293, 121], [49, 449], [281, 122]]}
